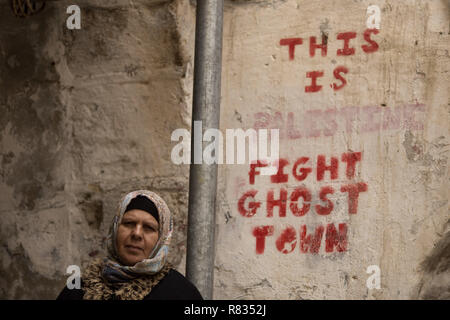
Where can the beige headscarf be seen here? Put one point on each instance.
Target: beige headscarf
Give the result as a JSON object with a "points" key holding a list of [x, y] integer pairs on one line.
{"points": [[114, 271], [104, 279]]}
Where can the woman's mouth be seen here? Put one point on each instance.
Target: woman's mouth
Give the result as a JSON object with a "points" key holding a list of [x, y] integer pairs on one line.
{"points": [[134, 248]]}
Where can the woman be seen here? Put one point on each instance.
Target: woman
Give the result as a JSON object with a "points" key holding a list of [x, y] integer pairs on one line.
{"points": [[136, 267]]}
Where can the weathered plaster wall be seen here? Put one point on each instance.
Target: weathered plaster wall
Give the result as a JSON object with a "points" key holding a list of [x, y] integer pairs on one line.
{"points": [[86, 115], [393, 110]]}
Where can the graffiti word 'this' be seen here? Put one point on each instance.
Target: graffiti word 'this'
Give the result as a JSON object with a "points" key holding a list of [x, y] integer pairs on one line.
{"points": [[346, 50]]}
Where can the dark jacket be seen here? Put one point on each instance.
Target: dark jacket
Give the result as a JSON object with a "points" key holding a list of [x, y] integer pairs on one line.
{"points": [[174, 286]]}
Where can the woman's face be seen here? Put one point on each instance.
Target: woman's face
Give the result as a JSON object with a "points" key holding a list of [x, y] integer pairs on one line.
{"points": [[136, 236]]}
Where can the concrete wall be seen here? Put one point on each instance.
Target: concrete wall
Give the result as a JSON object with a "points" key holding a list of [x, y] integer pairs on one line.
{"points": [[392, 112], [86, 115]]}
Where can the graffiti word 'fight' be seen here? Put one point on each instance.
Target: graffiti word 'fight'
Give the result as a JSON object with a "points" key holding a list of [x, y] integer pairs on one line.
{"points": [[248, 206]]}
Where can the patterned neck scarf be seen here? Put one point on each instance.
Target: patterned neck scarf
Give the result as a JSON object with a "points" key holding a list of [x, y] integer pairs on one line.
{"points": [[113, 271]]}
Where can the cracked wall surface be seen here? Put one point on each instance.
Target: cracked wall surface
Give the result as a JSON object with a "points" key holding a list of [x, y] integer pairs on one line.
{"points": [[393, 110], [86, 115]]}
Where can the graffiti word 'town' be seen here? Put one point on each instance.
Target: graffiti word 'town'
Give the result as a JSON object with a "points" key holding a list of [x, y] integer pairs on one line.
{"points": [[374, 281], [74, 20], [213, 152], [335, 238], [73, 281], [374, 17]]}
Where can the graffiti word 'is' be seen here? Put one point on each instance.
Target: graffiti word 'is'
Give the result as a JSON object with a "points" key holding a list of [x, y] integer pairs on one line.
{"points": [[346, 50]]}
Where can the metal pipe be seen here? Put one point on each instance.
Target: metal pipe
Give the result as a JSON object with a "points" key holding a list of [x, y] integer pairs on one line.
{"points": [[203, 177]]}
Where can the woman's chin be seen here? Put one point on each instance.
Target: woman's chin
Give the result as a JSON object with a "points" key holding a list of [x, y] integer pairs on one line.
{"points": [[130, 260]]}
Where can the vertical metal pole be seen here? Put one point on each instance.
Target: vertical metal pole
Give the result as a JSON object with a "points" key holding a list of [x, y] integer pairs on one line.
{"points": [[203, 177]]}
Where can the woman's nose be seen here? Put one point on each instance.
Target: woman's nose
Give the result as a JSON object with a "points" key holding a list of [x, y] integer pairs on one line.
{"points": [[137, 231]]}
